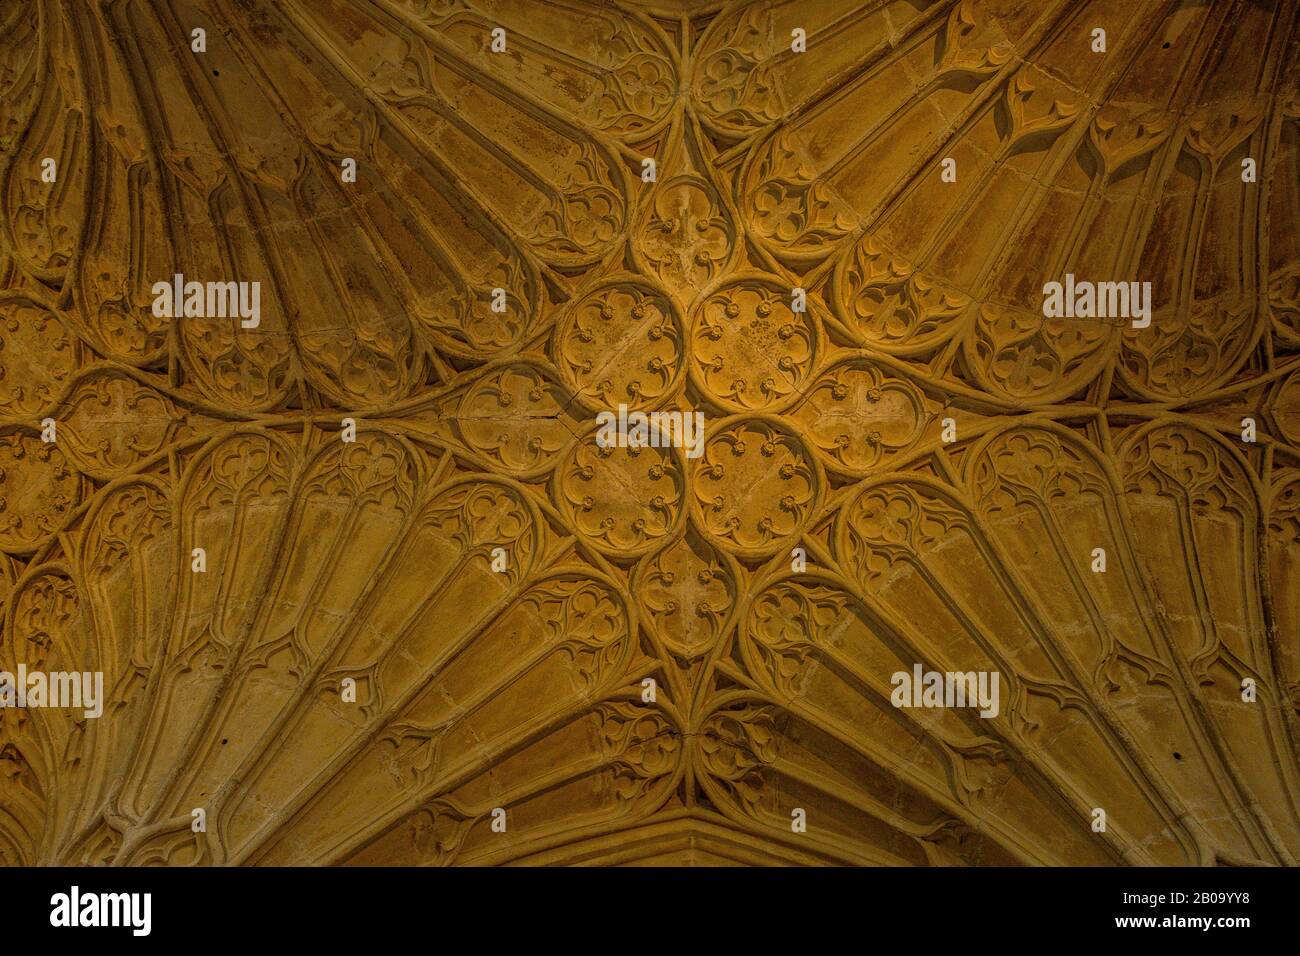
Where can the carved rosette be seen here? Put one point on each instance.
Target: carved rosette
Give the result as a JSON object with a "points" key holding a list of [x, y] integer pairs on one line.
{"points": [[756, 486], [750, 350], [621, 343]]}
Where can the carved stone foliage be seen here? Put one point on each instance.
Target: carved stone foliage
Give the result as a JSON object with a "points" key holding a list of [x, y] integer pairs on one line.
{"points": [[477, 634]]}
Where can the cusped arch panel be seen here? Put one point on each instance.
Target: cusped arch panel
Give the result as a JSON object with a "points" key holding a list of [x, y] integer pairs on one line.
{"points": [[1179, 477]]}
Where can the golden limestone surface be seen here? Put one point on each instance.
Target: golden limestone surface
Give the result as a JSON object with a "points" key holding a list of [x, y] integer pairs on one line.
{"points": [[352, 354]]}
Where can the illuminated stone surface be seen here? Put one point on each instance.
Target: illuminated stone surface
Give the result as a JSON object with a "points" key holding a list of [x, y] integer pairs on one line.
{"points": [[523, 690]]}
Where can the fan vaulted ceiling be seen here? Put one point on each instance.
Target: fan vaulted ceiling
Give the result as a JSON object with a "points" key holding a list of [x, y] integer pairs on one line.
{"points": [[653, 675]]}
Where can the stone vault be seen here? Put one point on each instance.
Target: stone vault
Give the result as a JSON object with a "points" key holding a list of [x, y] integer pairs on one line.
{"points": [[475, 635]]}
